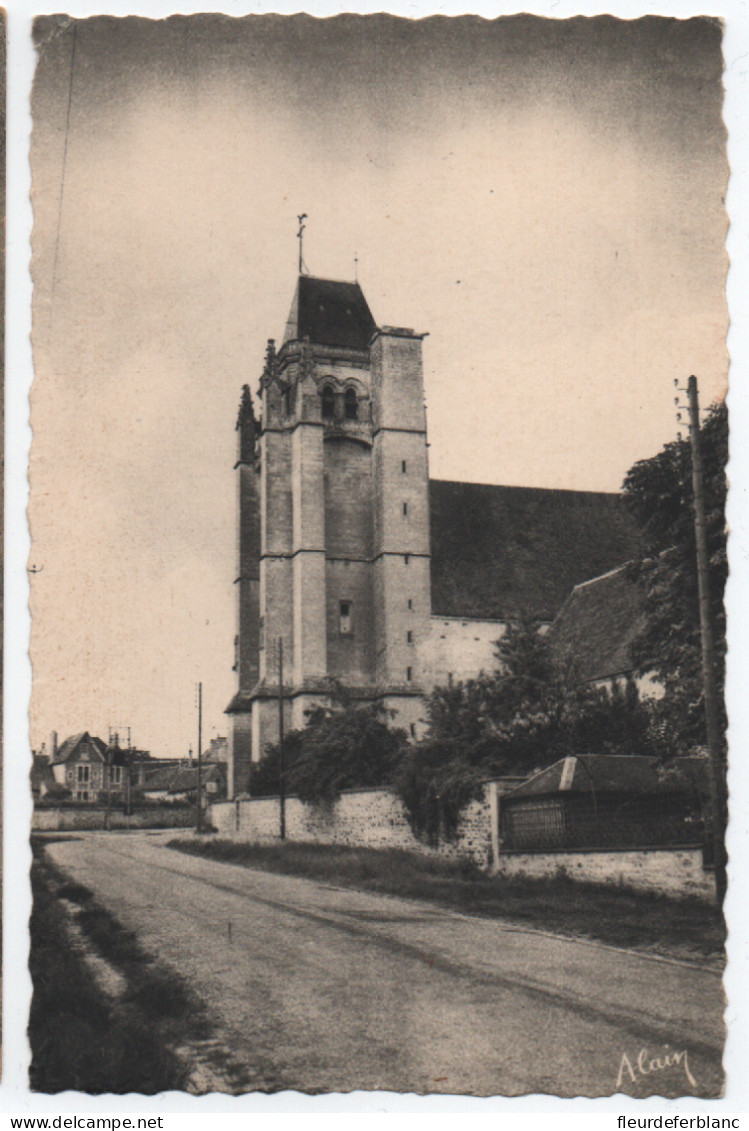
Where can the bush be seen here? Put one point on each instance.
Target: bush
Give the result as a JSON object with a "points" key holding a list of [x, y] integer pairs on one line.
{"points": [[342, 747]]}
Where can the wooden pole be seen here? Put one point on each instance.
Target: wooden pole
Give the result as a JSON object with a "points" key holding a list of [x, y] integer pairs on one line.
{"points": [[281, 765], [199, 825], [716, 771]]}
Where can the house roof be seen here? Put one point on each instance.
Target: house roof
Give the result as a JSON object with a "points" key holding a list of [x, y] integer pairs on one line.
{"points": [[69, 748], [502, 551], [181, 779], [598, 623], [160, 779], [611, 773], [330, 313], [187, 779]]}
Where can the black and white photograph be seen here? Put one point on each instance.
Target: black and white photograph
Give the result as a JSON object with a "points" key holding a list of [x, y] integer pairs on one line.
{"points": [[378, 555]]}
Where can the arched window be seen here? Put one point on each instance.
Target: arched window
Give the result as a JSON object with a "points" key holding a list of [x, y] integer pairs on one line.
{"points": [[328, 402], [352, 405]]}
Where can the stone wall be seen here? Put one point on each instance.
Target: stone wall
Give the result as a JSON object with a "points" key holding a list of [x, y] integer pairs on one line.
{"points": [[372, 818], [375, 818], [94, 817], [677, 872]]}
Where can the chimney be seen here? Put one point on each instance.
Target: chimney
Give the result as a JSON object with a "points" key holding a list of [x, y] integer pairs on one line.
{"points": [[53, 743]]}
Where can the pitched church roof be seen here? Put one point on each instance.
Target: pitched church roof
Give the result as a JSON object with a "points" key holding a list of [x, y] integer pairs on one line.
{"points": [[502, 551], [598, 624], [330, 314]]}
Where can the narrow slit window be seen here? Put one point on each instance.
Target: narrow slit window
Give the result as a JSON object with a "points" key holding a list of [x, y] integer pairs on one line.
{"points": [[413, 730], [405, 508], [406, 558], [345, 618], [410, 636], [409, 674], [403, 466], [410, 603]]}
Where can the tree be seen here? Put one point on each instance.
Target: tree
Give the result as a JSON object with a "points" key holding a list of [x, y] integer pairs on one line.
{"points": [[341, 747], [658, 492], [524, 716]]}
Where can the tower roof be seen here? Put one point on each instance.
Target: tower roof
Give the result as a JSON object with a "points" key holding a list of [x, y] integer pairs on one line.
{"points": [[329, 314]]}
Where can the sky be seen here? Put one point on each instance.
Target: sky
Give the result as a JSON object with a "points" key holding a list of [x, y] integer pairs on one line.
{"points": [[544, 198]]}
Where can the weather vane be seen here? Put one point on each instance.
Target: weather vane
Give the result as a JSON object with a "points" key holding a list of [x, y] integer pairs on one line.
{"points": [[300, 236]]}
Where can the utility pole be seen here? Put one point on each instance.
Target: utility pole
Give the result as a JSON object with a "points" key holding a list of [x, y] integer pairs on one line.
{"points": [[281, 766], [716, 774], [199, 826], [129, 777], [108, 814]]}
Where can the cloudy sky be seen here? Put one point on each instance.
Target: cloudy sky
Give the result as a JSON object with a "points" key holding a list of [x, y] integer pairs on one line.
{"points": [[545, 198]]}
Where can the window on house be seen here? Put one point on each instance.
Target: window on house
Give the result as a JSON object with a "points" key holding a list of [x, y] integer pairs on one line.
{"points": [[406, 558], [83, 772], [405, 508], [410, 603], [287, 401], [261, 633], [403, 466], [352, 404], [413, 730], [116, 775], [410, 636], [409, 674], [82, 795], [345, 618], [328, 402]]}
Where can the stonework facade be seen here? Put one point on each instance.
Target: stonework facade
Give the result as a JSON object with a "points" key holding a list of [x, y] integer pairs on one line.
{"points": [[342, 575]]}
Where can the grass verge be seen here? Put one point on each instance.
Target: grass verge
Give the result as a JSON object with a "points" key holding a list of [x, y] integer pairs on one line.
{"points": [[81, 1039], [683, 928]]}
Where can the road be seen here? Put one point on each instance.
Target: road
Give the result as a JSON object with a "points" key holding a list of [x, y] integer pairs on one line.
{"points": [[317, 988]]}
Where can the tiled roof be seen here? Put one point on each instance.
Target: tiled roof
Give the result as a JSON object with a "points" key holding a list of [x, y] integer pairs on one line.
{"points": [[330, 314], [182, 779], [68, 748], [612, 773], [502, 551], [187, 778], [160, 779], [597, 624]]}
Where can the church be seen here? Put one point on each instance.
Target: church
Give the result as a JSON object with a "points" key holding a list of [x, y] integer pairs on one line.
{"points": [[354, 565]]}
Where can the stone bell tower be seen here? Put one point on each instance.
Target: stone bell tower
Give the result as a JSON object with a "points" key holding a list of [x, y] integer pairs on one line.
{"points": [[333, 522]]}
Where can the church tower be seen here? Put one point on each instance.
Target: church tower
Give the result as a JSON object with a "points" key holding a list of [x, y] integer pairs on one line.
{"points": [[333, 522]]}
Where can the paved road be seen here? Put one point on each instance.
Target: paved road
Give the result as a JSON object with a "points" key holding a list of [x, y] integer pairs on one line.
{"points": [[316, 988]]}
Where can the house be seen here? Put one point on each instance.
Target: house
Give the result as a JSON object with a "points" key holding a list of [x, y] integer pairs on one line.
{"points": [[218, 750], [79, 765], [180, 783], [92, 771], [156, 781], [606, 801], [356, 567], [184, 786]]}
